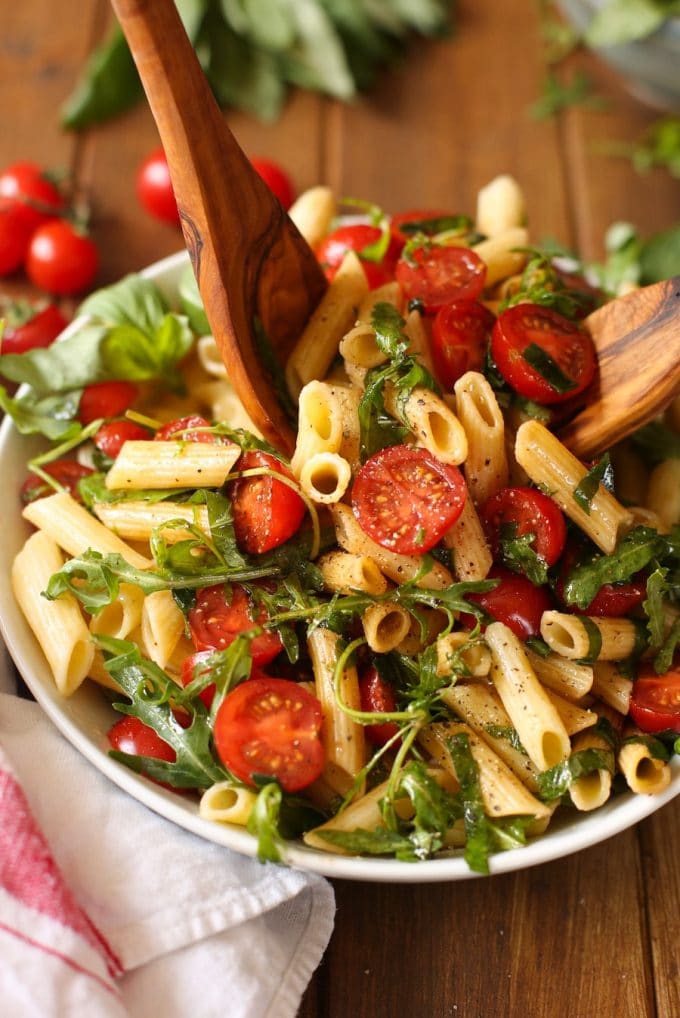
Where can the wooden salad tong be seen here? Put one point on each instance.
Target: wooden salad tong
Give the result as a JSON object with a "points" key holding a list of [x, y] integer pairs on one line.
{"points": [[258, 278], [260, 281]]}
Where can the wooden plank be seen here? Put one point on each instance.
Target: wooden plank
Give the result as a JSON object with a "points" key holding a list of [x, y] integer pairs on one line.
{"points": [[659, 837], [451, 117]]}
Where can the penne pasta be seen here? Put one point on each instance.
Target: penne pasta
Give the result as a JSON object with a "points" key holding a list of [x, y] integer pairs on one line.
{"points": [[172, 464], [345, 573], [433, 424], [486, 466], [587, 638]]}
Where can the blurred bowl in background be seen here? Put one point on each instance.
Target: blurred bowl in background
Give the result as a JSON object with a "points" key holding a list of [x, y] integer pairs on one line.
{"points": [[650, 67]]}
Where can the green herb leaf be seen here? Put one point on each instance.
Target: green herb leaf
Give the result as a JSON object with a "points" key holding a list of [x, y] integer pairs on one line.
{"points": [[519, 555], [263, 822], [559, 95], [109, 86], [548, 368], [655, 747], [588, 486], [637, 549], [51, 416], [555, 782], [191, 302], [380, 841], [439, 224], [664, 659], [657, 442], [617, 22], [479, 841]]}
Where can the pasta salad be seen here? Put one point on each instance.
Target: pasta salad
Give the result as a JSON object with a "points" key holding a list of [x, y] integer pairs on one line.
{"points": [[429, 631]]}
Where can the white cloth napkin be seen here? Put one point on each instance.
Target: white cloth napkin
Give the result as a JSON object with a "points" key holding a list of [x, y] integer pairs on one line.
{"points": [[110, 911]]}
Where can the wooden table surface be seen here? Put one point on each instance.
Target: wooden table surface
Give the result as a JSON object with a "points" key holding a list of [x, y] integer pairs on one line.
{"points": [[597, 933]]}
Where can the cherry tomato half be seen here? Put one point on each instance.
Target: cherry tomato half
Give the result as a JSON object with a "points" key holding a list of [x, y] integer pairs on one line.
{"points": [[15, 236], [565, 343], [530, 512], [276, 179], [113, 435], [515, 601], [271, 726], [106, 399], [357, 237], [266, 511], [461, 332], [377, 697], [215, 622], [655, 703], [67, 473], [60, 259], [154, 188], [439, 274], [181, 430], [406, 499], [26, 186], [40, 330]]}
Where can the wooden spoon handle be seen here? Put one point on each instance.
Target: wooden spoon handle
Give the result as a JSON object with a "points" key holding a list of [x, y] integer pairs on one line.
{"points": [[637, 338]]}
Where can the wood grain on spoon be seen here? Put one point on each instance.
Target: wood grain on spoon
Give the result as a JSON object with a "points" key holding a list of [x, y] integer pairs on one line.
{"points": [[637, 338], [250, 261]]}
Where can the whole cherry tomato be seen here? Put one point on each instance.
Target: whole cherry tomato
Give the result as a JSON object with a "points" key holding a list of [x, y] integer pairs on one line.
{"points": [[377, 697], [106, 399], [266, 511], [26, 186], [405, 499], [61, 259], [403, 225], [154, 188], [181, 430], [461, 331], [553, 342], [67, 473], [276, 179], [15, 236], [113, 435], [39, 330], [269, 726], [436, 274], [515, 602]]}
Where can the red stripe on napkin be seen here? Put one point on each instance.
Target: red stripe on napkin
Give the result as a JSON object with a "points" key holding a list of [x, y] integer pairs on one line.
{"points": [[29, 873]]}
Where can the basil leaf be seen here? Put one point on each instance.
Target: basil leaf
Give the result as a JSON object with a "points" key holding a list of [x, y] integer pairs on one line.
{"points": [[70, 364], [508, 733], [134, 301], [594, 640], [191, 303], [110, 85], [548, 368], [660, 254], [51, 416], [555, 782]]}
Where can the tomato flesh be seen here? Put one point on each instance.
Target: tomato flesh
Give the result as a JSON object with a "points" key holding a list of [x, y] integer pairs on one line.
{"points": [[529, 511], [113, 435], [438, 274], [215, 622], [269, 726], [405, 499], [60, 259], [563, 341], [655, 702], [377, 697], [106, 399], [515, 601], [266, 511], [460, 336], [67, 473], [181, 430], [40, 330]]}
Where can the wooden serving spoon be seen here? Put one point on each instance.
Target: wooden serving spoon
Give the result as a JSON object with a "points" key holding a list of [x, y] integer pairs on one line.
{"points": [[637, 338], [258, 278]]}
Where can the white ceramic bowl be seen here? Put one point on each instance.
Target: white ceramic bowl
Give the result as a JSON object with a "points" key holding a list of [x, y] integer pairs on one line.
{"points": [[85, 717]]}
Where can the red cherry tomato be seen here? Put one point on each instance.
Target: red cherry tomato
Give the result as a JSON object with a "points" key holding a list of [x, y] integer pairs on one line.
{"points": [[41, 329], [530, 512], [266, 511], [461, 332], [194, 663], [356, 237], [655, 703], [406, 499], [276, 179], [215, 622], [271, 726], [613, 600], [562, 340], [15, 236], [26, 186], [106, 399], [67, 473], [60, 259], [180, 430], [377, 697], [515, 602], [113, 435], [413, 216], [438, 274], [130, 735], [154, 188]]}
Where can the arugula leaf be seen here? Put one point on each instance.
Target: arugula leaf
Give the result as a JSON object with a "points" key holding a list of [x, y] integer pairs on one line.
{"points": [[555, 782], [152, 693], [664, 659], [435, 810], [637, 549], [263, 822], [508, 733], [479, 841], [588, 486], [92, 490], [222, 533], [379, 841], [594, 640], [657, 588], [541, 283], [548, 368], [519, 554]]}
